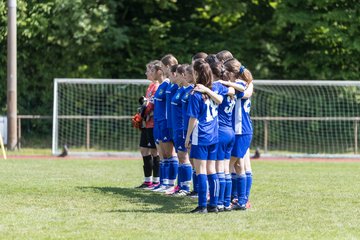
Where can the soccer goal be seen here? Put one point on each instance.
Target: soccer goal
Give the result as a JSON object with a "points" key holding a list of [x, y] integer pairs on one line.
{"points": [[92, 116], [300, 117], [320, 118]]}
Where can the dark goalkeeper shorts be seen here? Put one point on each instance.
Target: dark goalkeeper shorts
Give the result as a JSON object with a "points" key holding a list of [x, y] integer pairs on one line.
{"points": [[147, 138]]}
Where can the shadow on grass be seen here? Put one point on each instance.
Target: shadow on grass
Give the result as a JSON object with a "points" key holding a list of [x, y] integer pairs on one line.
{"points": [[137, 200]]}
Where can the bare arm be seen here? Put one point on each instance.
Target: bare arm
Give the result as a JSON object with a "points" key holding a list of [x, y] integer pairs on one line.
{"points": [[214, 96], [191, 126], [236, 86], [231, 91], [249, 91]]}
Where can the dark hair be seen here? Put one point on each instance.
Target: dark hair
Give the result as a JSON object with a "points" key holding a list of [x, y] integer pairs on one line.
{"points": [[211, 58], [217, 69], [174, 67], [181, 68], [234, 66], [169, 60], [199, 55], [189, 69], [224, 55], [204, 74]]}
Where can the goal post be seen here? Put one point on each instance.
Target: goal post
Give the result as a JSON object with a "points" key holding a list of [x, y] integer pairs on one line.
{"points": [[93, 116], [290, 117]]}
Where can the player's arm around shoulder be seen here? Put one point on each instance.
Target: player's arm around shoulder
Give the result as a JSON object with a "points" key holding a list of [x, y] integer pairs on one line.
{"points": [[248, 91], [214, 96], [238, 85]]}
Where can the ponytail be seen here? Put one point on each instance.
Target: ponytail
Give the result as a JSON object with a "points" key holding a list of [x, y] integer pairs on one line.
{"points": [[234, 66], [247, 76], [204, 73]]}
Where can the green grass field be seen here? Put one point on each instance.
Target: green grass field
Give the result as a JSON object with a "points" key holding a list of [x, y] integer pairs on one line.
{"points": [[89, 199]]}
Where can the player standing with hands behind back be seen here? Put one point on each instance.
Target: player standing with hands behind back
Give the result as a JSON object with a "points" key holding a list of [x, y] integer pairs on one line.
{"points": [[147, 143], [169, 163]]}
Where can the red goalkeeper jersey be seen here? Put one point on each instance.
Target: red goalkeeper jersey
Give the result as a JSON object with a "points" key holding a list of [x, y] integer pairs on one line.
{"points": [[149, 111]]}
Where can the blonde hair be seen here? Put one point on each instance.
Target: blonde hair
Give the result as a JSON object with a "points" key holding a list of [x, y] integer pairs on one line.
{"points": [[157, 65], [224, 55]]}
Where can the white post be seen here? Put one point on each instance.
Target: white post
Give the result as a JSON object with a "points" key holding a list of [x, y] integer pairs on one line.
{"points": [[266, 135], [55, 119], [2, 147], [356, 137]]}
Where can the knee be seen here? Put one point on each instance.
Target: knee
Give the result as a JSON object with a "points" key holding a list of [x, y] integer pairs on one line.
{"points": [[210, 167], [145, 151], [154, 152]]}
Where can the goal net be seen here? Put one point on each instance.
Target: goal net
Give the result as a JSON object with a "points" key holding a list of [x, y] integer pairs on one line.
{"points": [[93, 116], [306, 117]]}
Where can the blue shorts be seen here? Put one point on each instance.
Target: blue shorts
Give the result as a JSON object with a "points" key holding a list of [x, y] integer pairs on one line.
{"points": [[226, 143], [161, 132], [171, 133], [204, 152], [179, 141], [242, 144]]}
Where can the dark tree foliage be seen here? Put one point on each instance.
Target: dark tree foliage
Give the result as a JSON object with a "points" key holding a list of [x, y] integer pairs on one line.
{"points": [[114, 39], [293, 39]]}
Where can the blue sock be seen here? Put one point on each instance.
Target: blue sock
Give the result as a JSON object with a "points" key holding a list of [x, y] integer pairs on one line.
{"points": [[227, 194], [222, 184], [187, 173], [202, 190], [173, 169], [234, 192], [161, 172], [181, 175], [213, 189], [195, 182], [241, 188], [249, 179], [166, 172]]}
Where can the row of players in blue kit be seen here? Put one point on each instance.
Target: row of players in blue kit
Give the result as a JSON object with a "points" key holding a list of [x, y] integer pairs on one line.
{"points": [[202, 130]]}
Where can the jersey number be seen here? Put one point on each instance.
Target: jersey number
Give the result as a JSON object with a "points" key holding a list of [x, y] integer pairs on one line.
{"points": [[247, 106], [231, 102], [211, 110]]}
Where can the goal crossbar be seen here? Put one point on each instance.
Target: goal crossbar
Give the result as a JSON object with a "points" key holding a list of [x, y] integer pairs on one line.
{"points": [[289, 117]]}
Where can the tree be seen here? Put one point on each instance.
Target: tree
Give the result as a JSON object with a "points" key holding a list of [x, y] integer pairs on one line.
{"points": [[319, 39]]}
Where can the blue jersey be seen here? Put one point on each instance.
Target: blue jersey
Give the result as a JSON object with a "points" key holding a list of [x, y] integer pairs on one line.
{"points": [[226, 107], [241, 116], [226, 112], [205, 132], [170, 92], [160, 101], [176, 109], [184, 106], [220, 89]]}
